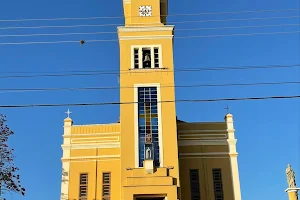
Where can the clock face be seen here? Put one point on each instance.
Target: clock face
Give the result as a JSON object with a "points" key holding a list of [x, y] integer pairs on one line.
{"points": [[145, 11]]}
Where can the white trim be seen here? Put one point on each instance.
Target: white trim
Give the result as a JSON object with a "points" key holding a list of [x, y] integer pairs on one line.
{"points": [[91, 146], [136, 130], [201, 154], [292, 189], [140, 47], [133, 29], [66, 165], [146, 37]]}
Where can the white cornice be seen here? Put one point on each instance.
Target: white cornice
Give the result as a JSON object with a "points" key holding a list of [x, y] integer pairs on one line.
{"points": [[130, 29], [147, 37], [292, 189]]}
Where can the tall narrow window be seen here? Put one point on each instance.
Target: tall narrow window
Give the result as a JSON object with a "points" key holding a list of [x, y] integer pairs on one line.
{"points": [[136, 58], [148, 125], [156, 58], [106, 186], [218, 187], [194, 184], [83, 186]]}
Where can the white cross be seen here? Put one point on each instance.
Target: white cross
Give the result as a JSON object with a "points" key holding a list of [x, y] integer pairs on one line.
{"points": [[68, 113]]}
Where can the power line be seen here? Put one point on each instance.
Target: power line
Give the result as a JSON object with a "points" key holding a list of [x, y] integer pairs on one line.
{"points": [[118, 72], [5, 90], [170, 101], [177, 37], [118, 17], [176, 22], [114, 32]]}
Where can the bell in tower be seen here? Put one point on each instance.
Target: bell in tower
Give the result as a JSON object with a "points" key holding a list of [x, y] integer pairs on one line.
{"points": [[146, 59]]}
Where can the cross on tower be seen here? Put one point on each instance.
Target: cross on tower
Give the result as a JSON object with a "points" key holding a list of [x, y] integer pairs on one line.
{"points": [[227, 109], [68, 113]]}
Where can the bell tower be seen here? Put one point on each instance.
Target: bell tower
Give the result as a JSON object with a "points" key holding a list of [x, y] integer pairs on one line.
{"points": [[152, 13], [149, 146]]}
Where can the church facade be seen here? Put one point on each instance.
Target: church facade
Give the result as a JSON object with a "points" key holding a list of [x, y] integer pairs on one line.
{"points": [[149, 154]]}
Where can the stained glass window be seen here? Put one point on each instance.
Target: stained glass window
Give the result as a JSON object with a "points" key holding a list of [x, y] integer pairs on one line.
{"points": [[148, 124]]}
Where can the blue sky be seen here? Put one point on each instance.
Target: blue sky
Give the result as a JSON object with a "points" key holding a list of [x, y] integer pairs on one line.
{"points": [[267, 131]]}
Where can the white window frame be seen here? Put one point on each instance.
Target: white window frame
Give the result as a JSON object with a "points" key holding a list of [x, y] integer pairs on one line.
{"points": [[140, 47], [136, 123]]}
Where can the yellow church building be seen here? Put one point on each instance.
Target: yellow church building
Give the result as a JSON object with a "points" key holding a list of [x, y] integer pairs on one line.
{"points": [[149, 154]]}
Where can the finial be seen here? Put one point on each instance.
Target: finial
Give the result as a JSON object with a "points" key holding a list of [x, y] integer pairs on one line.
{"points": [[227, 109], [68, 113]]}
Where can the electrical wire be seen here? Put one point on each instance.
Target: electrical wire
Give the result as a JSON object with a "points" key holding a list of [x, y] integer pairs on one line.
{"points": [[117, 17], [114, 32], [118, 72], [176, 22], [5, 90], [176, 37], [170, 101]]}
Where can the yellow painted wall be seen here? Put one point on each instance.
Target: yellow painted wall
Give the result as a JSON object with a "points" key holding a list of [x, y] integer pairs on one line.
{"points": [[205, 166]]}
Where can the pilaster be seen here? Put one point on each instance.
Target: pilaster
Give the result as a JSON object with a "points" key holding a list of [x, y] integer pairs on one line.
{"points": [[292, 193], [233, 157], [66, 164]]}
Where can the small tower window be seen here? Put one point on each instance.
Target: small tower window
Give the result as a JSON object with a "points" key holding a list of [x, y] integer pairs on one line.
{"points": [[146, 58]]}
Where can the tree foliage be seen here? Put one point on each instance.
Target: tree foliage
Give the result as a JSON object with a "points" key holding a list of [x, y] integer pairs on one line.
{"points": [[9, 177]]}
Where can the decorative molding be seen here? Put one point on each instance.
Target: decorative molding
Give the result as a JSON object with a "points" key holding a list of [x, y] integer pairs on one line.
{"points": [[110, 124], [126, 1], [91, 158], [202, 136], [202, 154], [204, 142], [202, 157], [90, 134], [95, 140], [292, 190], [232, 141], [201, 142], [133, 29], [147, 37], [202, 131], [91, 146]]}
